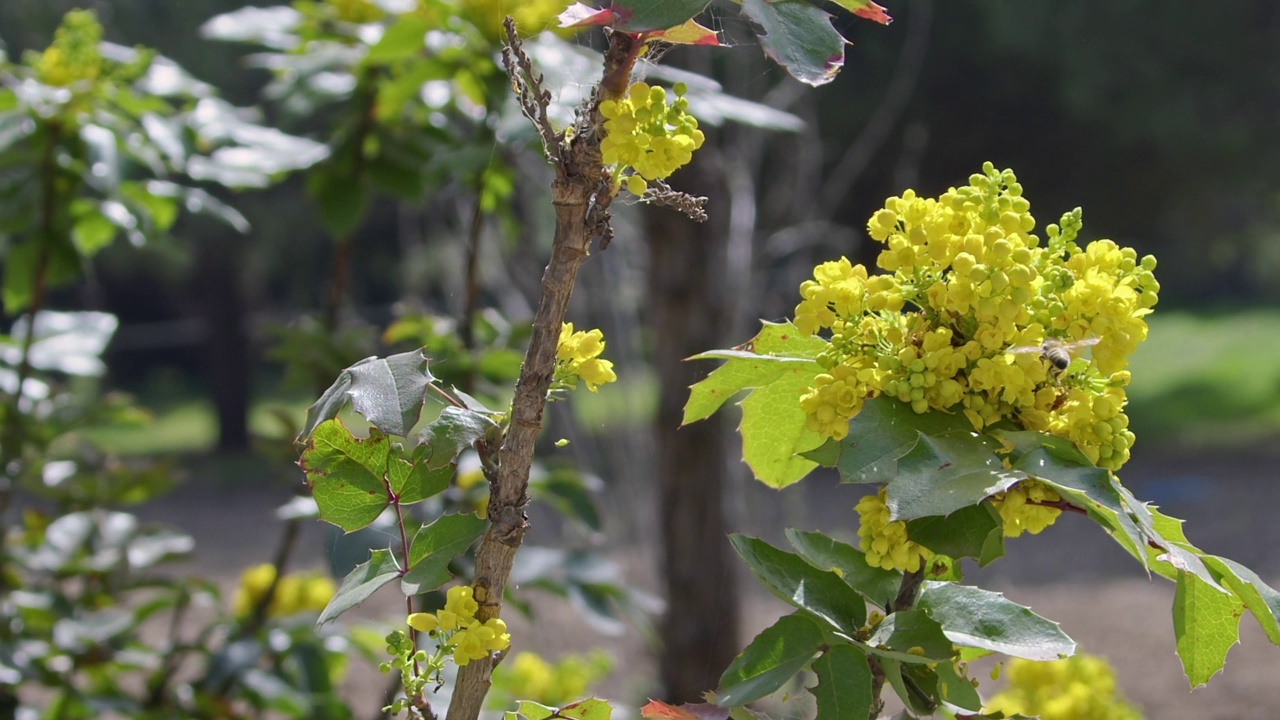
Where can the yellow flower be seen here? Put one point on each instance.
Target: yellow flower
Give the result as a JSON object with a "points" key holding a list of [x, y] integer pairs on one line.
{"points": [[423, 622], [460, 601]]}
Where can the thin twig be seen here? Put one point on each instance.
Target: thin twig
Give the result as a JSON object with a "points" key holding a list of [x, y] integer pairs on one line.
{"points": [[691, 206], [908, 591], [527, 85]]}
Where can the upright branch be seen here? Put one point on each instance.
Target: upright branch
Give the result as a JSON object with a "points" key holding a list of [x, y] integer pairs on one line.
{"points": [[581, 195]]}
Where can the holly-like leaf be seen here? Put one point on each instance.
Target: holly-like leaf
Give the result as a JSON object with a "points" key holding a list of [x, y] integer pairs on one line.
{"points": [[379, 570], [756, 363], [880, 435], [944, 473], [843, 691], [347, 474], [877, 585], [1261, 599], [770, 660], [773, 430], [915, 684], [589, 709], [910, 636], [388, 392], [865, 9], [974, 531], [658, 710], [1206, 623], [802, 585], [413, 483], [434, 546], [583, 15], [690, 33], [973, 617], [637, 16], [449, 434], [799, 37]]}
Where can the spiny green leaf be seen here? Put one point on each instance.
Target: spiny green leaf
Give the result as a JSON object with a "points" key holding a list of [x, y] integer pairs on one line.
{"points": [[347, 474], [533, 710], [956, 689], [379, 570], [843, 691], [944, 473], [636, 16], [910, 636], [915, 684], [1261, 599], [877, 585], [880, 435], [455, 430], [799, 37], [770, 660], [802, 585], [388, 392], [416, 482], [755, 363], [434, 546], [589, 709], [773, 428], [1206, 623], [973, 617], [974, 531]]}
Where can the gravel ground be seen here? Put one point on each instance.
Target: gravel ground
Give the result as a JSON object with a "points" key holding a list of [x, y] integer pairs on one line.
{"points": [[1072, 574]]}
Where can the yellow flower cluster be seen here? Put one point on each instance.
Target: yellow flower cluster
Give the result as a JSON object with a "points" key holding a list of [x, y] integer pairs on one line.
{"points": [[529, 677], [578, 356], [646, 134], [295, 593], [975, 283], [73, 55], [458, 630], [885, 542], [1082, 687], [1019, 508]]}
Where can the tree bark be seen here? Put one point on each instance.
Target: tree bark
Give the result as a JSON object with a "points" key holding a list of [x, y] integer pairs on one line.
{"points": [[226, 353], [689, 315]]}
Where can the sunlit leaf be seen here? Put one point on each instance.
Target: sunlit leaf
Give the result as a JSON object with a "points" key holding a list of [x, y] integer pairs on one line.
{"points": [[368, 577], [770, 661]]}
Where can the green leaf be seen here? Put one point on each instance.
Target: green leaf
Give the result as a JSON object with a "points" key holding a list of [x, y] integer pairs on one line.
{"points": [[379, 570], [388, 392], [416, 482], [434, 546], [772, 658], [1261, 599], [973, 617], [1206, 623], [802, 585], [455, 430], [636, 16], [1173, 553], [956, 689], [799, 37], [532, 710], [92, 231], [405, 38], [346, 474], [773, 429], [910, 636], [975, 531], [882, 434], [944, 473], [843, 691], [755, 363], [877, 585]]}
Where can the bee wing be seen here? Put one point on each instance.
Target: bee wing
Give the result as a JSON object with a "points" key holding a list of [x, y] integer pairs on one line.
{"points": [[1025, 349], [1072, 347]]}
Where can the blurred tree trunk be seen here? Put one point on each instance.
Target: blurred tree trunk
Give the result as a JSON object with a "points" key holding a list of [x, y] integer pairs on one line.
{"points": [[226, 353], [689, 314]]}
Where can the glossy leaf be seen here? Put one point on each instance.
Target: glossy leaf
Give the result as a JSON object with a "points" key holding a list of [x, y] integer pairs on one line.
{"points": [[434, 546], [347, 474], [755, 363], [770, 660], [589, 709], [455, 430], [915, 684], [843, 691], [799, 37], [944, 473], [979, 618], [880, 435], [388, 392], [865, 9], [975, 531], [877, 585], [636, 16], [910, 636], [368, 577], [955, 688], [802, 585]]}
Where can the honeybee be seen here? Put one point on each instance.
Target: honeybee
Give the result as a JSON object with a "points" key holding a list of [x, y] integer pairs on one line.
{"points": [[1055, 351]]}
